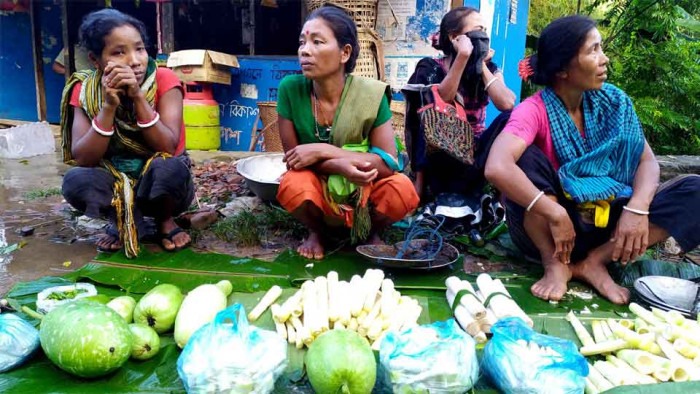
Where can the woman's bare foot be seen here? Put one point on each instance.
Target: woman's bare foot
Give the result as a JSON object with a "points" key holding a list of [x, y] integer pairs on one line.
{"points": [[178, 240], [552, 286], [595, 273], [311, 248], [108, 242]]}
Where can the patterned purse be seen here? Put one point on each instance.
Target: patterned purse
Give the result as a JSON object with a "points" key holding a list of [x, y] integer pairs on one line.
{"points": [[445, 125]]}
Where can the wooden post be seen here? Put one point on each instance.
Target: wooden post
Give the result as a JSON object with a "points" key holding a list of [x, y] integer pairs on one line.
{"points": [[35, 22], [68, 56], [251, 9], [168, 26]]}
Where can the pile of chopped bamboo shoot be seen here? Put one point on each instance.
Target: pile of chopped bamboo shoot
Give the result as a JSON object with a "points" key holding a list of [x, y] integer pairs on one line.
{"points": [[477, 311], [655, 346], [367, 304]]}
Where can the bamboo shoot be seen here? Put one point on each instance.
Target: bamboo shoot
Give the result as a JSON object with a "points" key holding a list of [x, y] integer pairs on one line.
{"points": [[270, 297], [598, 379], [581, 332]]}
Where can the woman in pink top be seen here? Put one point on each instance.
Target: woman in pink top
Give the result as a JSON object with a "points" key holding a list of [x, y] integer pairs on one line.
{"points": [[581, 181]]}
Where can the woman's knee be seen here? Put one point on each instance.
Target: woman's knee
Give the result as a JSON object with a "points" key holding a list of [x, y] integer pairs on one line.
{"points": [[297, 187], [395, 197]]}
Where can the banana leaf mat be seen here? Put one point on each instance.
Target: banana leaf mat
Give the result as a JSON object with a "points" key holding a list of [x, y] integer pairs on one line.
{"points": [[115, 275]]}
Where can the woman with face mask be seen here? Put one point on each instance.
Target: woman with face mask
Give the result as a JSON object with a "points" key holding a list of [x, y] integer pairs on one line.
{"points": [[582, 182], [340, 149], [464, 73], [122, 127]]}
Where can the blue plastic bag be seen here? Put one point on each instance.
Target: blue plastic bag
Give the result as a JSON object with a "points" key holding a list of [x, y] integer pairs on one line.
{"points": [[435, 358], [515, 368], [18, 340], [229, 355]]}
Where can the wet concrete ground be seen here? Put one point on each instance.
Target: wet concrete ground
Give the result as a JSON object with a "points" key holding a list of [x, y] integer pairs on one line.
{"points": [[44, 253], [58, 245]]}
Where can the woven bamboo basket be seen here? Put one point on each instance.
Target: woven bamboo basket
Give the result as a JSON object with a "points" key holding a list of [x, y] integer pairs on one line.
{"points": [[363, 12], [398, 119], [370, 62], [270, 133]]}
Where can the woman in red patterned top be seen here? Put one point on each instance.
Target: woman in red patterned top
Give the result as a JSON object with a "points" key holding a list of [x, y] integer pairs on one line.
{"points": [[122, 126]]}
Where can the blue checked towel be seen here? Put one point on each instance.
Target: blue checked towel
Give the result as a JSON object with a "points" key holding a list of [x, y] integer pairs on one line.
{"points": [[604, 162]]}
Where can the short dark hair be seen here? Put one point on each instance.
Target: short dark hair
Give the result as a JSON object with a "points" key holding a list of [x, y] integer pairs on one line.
{"points": [[452, 23], [558, 44], [343, 28], [98, 24]]}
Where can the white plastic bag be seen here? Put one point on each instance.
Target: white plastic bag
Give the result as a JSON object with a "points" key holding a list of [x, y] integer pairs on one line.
{"points": [[437, 358], [45, 303], [27, 140], [229, 355]]}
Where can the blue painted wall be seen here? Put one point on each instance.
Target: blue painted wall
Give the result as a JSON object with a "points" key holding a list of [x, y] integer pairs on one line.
{"points": [[238, 112], [17, 91], [508, 40], [18, 94]]}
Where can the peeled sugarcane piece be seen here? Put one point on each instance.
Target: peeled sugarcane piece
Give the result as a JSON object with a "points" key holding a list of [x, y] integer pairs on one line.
{"points": [[628, 324], [322, 302], [373, 313], [373, 281], [353, 325], [590, 387], [671, 353], [641, 326], [606, 330], [645, 314], [685, 349], [303, 334], [612, 373], [343, 302], [604, 347], [310, 306], [642, 361], [389, 301], [357, 301], [291, 333], [669, 317], [672, 370], [333, 296], [598, 379], [470, 302], [581, 332], [271, 296], [628, 370], [500, 302], [598, 334], [643, 342]]}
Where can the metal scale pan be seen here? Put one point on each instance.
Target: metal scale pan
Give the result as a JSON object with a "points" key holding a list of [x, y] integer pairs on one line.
{"points": [[385, 255]]}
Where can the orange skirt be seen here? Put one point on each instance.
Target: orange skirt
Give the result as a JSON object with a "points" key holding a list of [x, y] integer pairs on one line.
{"points": [[393, 197]]}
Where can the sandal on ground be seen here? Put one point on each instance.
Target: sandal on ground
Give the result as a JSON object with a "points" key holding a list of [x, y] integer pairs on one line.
{"points": [[169, 236]]}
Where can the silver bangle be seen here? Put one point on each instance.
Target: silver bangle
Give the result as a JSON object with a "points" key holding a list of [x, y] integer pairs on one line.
{"points": [[637, 211], [488, 84], [101, 132], [534, 201]]}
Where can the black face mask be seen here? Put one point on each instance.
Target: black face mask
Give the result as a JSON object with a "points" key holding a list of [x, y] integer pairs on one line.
{"points": [[480, 42], [471, 83]]}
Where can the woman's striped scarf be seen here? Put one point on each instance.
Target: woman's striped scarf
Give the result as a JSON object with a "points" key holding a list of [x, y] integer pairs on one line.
{"points": [[127, 139], [602, 164]]}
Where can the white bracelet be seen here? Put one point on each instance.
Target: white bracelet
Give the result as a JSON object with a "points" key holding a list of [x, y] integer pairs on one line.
{"points": [[488, 85], [637, 211], [99, 131], [151, 123], [534, 200]]}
